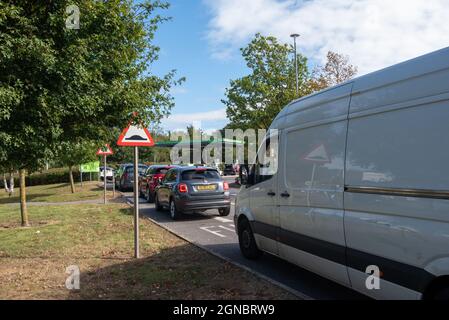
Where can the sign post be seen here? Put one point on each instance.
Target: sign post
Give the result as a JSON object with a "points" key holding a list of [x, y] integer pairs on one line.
{"points": [[105, 151], [136, 136]]}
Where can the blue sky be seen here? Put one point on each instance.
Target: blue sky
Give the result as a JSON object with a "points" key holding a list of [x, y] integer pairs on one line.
{"points": [[202, 41], [185, 47]]}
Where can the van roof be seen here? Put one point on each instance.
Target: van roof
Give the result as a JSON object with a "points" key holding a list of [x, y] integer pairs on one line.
{"points": [[425, 64]]}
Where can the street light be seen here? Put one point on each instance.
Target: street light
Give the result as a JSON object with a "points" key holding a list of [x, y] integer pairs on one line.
{"points": [[294, 36]]}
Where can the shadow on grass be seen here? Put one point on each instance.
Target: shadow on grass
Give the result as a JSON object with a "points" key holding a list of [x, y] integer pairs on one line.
{"points": [[61, 185], [30, 198], [179, 272], [169, 274]]}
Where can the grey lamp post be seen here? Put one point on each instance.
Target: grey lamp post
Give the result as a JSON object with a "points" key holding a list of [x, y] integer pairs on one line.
{"points": [[294, 36]]}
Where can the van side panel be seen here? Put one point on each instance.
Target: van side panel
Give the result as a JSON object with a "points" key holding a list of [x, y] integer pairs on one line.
{"points": [[312, 173], [419, 78], [397, 216]]}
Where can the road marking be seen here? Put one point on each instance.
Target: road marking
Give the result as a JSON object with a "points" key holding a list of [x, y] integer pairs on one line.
{"points": [[226, 228], [217, 232], [222, 219]]}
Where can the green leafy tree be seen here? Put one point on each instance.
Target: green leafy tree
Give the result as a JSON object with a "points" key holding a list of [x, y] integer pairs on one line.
{"points": [[59, 85], [253, 101], [73, 153]]}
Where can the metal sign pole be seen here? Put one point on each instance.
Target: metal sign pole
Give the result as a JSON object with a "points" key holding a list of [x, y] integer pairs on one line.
{"points": [[113, 185], [104, 179], [81, 175], [136, 203]]}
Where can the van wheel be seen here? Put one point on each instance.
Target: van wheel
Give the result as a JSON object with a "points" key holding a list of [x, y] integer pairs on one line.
{"points": [[149, 196], [247, 243], [224, 211], [174, 213], [157, 204]]}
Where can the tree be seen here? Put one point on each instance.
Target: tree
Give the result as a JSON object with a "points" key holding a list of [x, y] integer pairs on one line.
{"points": [[75, 153], [59, 85], [336, 70], [254, 100]]}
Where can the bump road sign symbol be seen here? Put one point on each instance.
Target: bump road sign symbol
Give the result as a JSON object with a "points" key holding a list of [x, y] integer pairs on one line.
{"points": [[135, 136]]}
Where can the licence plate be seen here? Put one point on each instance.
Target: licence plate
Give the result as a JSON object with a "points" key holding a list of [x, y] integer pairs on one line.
{"points": [[207, 188]]}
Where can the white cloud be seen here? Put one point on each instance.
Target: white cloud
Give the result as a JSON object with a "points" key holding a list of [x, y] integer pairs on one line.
{"points": [[374, 33], [207, 120]]}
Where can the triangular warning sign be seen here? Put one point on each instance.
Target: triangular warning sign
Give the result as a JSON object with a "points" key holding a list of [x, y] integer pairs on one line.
{"points": [[318, 154], [106, 150], [135, 136]]}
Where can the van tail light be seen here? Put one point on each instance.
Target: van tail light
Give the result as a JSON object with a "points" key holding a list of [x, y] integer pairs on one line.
{"points": [[125, 176], [182, 188], [225, 186]]}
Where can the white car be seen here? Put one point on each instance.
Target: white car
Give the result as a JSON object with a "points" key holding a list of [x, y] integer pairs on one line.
{"points": [[109, 173]]}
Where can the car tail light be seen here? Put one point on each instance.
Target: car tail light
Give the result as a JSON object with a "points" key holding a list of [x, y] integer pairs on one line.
{"points": [[225, 186], [182, 187]]}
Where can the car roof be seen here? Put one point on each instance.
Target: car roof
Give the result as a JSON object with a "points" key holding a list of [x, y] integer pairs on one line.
{"points": [[157, 166], [132, 165], [183, 169]]}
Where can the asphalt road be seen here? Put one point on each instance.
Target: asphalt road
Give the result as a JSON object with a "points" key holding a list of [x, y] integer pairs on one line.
{"points": [[217, 235]]}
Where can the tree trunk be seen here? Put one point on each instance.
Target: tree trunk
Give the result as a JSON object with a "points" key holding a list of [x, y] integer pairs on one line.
{"points": [[5, 183], [11, 183], [23, 200], [72, 182]]}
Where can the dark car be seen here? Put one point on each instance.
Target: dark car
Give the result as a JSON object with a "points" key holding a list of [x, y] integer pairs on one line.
{"points": [[229, 170], [124, 179], [151, 179], [191, 189]]}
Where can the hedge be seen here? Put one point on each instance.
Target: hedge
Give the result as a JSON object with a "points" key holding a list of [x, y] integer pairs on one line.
{"points": [[52, 176]]}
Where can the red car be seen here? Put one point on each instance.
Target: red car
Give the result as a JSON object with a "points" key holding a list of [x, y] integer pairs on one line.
{"points": [[151, 179]]}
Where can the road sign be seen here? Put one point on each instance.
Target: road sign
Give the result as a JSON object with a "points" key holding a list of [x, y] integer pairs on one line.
{"points": [[106, 150], [319, 154], [135, 136]]}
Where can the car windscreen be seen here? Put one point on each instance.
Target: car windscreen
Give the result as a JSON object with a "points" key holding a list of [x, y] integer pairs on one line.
{"points": [[200, 175], [141, 170], [160, 170]]}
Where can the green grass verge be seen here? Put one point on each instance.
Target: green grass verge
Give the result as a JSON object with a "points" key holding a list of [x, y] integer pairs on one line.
{"points": [[99, 239], [55, 193]]}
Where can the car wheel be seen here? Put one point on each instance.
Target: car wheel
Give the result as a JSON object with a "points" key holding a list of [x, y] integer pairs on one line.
{"points": [[224, 211], [174, 213], [157, 204], [247, 243], [149, 196]]}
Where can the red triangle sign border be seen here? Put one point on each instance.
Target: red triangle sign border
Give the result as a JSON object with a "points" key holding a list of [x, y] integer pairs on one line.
{"points": [[105, 153], [122, 143]]}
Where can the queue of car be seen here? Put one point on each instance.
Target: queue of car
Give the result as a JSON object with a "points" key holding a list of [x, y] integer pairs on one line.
{"points": [[180, 189]]}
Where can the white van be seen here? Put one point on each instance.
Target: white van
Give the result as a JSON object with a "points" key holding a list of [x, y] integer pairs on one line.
{"points": [[361, 184]]}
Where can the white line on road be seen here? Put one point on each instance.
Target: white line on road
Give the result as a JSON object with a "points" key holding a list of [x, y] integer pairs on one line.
{"points": [[226, 228], [216, 232], [222, 219]]}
